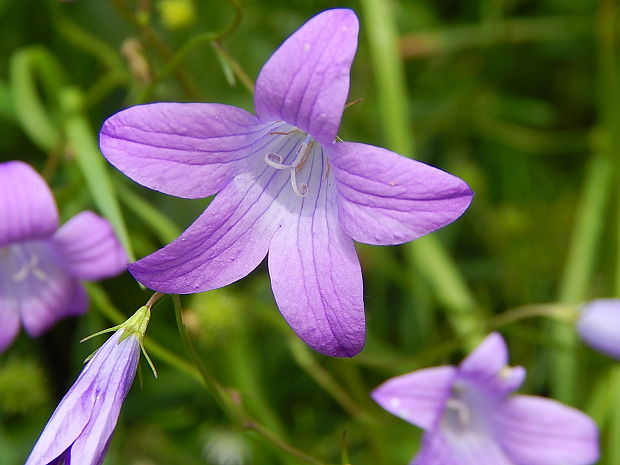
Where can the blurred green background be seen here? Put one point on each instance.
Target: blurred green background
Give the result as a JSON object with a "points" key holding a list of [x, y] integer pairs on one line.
{"points": [[520, 98]]}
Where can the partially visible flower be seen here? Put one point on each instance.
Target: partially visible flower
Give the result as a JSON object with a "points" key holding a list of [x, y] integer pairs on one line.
{"points": [[284, 185], [599, 326], [81, 427], [471, 419], [41, 265]]}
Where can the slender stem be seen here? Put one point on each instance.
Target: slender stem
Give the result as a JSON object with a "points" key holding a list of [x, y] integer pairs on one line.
{"points": [[427, 253], [234, 410]]}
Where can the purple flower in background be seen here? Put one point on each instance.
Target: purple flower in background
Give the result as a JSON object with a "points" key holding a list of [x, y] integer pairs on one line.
{"points": [[599, 326], [285, 186], [41, 265], [471, 419], [81, 427]]}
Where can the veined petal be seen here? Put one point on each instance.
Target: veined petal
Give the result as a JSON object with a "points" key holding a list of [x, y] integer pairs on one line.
{"points": [[487, 367], [88, 248], [113, 383], [189, 150], [72, 414], [38, 287], [27, 207], [315, 273], [385, 198], [417, 397], [227, 241], [89, 411], [538, 431], [471, 447], [306, 81]]}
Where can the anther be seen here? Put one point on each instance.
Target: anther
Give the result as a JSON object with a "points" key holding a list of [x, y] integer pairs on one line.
{"points": [[461, 410]]}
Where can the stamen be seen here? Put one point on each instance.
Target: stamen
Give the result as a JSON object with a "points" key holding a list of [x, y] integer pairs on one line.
{"points": [[461, 410], [27, 268], [275, 161], [300, 191], [278, 133]]}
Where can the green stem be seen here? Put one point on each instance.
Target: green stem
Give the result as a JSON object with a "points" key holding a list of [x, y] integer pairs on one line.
{"points": [[234, 411], [427, 253], [510, 31], [175, 60]]}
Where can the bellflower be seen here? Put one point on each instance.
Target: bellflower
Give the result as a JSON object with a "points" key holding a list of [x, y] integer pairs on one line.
{"points": [[285, 186], [81, 427], [41, 264], [599, 326], [471, 419]]}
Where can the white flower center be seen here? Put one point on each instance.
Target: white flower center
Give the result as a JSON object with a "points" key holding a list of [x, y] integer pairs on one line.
{"points": [[27, 264], [302, 151]]}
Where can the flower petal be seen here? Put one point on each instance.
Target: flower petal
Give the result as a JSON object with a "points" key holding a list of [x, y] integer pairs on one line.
{"points": [[417, 397], [27, 207], [599, 326], [72, 414], [113, 382], [474, 447], [38, 286], [88, 247], [189, 150], [94, 399], [306, 81], [487, 367], [385, 198], [224, 244], [315, 273], [538, 431]]}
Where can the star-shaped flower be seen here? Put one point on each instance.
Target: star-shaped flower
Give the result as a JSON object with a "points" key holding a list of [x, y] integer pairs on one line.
{"points": [[471, 419], [285, 186], [40, 265]]}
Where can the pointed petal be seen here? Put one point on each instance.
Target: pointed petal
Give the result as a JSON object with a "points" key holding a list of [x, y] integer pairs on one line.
{"points": [[72, 414], [37, 285], [385, 198], [88, 247], [225, 243], [89, 411], [113, 382], [599, 326], [306, 81], [27, 207], [487, 367], [538, 431], [417, 397], [315, 273], [443, 447], [189, 150]]}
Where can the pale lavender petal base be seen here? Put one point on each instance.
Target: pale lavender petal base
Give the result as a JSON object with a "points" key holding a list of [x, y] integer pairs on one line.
{"points": [[38, 286], [388, 199], [27, 207], [315, 273]]}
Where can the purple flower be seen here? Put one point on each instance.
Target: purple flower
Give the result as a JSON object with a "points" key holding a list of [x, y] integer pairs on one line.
{"points": [[40, 265], [471, 419], [284, 187], [599, 326], [80, 428]]}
